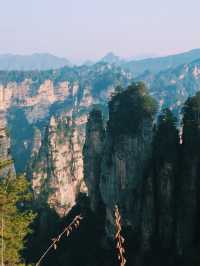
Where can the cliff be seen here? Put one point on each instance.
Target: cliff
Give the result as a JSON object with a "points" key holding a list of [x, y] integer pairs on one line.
{"points": [[150, 174], [122, 156], [92, 154], [57, 169], [6, 162], [37, 104]]}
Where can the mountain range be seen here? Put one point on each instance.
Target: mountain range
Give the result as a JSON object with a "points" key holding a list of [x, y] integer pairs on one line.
{"points": [[45, 61], [31, 62]]}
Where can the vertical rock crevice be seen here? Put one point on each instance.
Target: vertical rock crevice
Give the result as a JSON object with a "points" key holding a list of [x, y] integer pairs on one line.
{"points": [[92, 153]]}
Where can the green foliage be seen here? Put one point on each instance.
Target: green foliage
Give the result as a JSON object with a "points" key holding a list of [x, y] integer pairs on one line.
{"points": [[191, 124], [166, 137], [129, 109], [14, 220], [191, 109], [96, 116], [5, 163]]}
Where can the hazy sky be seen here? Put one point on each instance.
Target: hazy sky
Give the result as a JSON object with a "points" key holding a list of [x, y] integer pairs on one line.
{"points": [[87, 29]]}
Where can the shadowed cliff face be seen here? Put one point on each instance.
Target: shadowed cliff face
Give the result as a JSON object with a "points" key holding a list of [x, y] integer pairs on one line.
{"points": [[122, 155], [149, 174], [160, 188], [92, 153], [189, 219], [126, 150]]}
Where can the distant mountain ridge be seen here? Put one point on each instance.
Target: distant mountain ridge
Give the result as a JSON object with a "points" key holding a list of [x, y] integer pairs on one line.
{"points": [[111, 58], [173, 86], [45, 61], [37, 61], [158, 64], [153, 64]]}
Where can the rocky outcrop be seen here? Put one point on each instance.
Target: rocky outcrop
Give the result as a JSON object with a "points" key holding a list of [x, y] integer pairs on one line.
{"points": [[189, 209], [160, 187], [122, 156], [37, 142], [37, 106], [6, 162], [150, 175], [57, 171], [92, 153]]}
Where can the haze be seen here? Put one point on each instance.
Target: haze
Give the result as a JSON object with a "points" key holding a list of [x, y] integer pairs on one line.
{"points": [[88, 29]]}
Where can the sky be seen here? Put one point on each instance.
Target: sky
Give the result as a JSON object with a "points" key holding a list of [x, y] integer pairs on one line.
{"points": [[88, 29]]}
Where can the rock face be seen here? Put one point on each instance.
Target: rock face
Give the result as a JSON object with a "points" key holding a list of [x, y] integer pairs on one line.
{"points": [[57, 171], [6, 163], [93, 156], [122, 156], [149, 174], [20, 95], [189, 208], [37, 142], [160, 188], [127, 148]]}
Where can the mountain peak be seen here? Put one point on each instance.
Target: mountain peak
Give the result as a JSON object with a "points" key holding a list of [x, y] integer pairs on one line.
{"points": [[111, 58], [36, 61]]}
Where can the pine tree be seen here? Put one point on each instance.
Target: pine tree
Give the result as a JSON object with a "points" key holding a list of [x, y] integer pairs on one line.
{"points": [[14, 220], [191, 125], [166, 139]]}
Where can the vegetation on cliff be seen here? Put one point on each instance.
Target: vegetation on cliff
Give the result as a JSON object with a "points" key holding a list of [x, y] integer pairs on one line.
{"points": [[129, 109], [15, 219]]}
